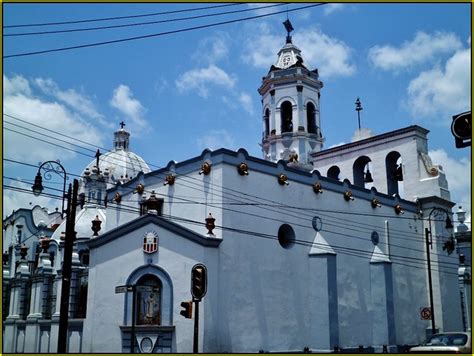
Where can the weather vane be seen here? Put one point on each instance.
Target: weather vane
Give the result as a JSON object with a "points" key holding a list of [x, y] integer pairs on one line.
{"points": [[358, 109], [288, 28]]}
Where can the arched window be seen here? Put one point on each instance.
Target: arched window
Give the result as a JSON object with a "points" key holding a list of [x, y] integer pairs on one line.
{"points": [[311, 118], [286, 112], [334, 172], [148, 305], [361, 171], [267, 122], [393, 166]]}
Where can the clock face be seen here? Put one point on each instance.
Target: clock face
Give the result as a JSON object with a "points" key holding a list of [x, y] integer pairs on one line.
{"points": [[286, 61]]}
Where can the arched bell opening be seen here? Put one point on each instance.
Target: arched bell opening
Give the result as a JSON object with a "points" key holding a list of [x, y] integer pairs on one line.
{"points": [[394, 172], [361, 172]]}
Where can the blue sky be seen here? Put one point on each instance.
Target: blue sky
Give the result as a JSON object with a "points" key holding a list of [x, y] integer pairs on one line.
{"points": [[179, 93]]}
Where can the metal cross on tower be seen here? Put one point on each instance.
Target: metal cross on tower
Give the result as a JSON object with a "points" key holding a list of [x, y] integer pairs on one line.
{"points": [[288, 28]]}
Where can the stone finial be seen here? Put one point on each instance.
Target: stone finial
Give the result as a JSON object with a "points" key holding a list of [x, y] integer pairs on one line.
{"points": [[210, 224], [44, 243], [23, 251], [96, 225]]}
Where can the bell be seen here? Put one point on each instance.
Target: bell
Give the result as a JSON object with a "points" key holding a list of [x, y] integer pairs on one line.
{"points": [[368, 177], [449, 224], [399, 173]]}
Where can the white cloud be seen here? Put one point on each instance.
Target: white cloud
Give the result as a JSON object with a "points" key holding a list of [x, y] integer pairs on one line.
{"points": [[16, 86], [330, 8], [200, 79], [246, 101], [124, 101], [330, 55], [212, 49], [458, 176], [14, 200], [70, 97], [20, 101], [424, 47], [442, 91], [216, 139]]}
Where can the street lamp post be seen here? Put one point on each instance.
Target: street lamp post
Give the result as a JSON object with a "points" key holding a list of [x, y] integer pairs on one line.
{"points": [[48, 168], [429, 242], [55, 167]]}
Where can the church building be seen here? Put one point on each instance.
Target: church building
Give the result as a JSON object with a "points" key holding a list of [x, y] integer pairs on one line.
{"points": [[306, 249]]}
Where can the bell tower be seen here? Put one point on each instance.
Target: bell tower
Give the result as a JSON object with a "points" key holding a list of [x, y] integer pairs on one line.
{"points": [[290, 108]]}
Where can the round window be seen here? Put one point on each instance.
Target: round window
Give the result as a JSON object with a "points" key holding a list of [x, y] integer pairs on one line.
{"points": [[375, 238], [286, 236]]}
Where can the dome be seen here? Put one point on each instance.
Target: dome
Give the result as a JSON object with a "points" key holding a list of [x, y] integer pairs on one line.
{"points": [[119, 164]]}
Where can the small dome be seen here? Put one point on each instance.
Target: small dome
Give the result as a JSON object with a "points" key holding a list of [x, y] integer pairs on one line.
{"points": [[118, 164]]}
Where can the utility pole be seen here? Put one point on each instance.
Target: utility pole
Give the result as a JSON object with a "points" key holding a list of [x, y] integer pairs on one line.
{"points": [[66, 268]]}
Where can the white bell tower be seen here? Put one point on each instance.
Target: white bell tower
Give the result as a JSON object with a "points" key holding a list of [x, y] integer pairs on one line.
{"points": [[290, 106]]}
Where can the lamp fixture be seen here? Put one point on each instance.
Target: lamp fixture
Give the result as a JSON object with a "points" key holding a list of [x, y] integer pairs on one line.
{"points": [[169, 179], [348, 195], [38, 185], [243, 169], [375, 203], [205, 169], [317, 188], [398, 209], [140, 188], [283, 179]]}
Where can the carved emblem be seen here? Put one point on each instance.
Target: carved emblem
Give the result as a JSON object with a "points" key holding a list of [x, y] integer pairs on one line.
{"points": [[150, 242]]}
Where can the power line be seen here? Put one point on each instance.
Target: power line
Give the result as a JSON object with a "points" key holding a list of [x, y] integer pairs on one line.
{"points": [[121, 17], [278, 205], [415, 262], [136, 210], [61, 49], [134, 24]]}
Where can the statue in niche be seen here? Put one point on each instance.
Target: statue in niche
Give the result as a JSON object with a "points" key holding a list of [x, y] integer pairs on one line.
{"points": [[149, 310]]}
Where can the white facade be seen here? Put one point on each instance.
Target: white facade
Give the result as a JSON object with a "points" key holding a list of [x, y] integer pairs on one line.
{"points": [[298, 259]]}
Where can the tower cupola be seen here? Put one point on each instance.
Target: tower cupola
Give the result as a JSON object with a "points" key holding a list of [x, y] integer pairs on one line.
{"points": [[121, 138], [290, 107]]}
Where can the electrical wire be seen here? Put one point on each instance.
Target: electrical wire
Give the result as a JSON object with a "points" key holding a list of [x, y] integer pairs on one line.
{"points": [[134, 24], [122, 17], [247, 196], [133, 209], [412, 262], [296, 216], [165, 33]]}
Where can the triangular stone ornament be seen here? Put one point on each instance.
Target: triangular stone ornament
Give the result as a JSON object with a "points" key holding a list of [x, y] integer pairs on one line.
{"points": [[146, 342], [378, 256], [320, 246]]}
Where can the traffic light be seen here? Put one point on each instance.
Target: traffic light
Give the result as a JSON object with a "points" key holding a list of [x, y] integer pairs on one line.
{"points": [[461, 128], [198, 281], [187, 312]]}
